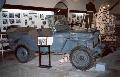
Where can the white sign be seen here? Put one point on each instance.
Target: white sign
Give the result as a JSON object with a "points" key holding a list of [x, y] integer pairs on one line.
{"points": [[100, 67], [45, 40]]}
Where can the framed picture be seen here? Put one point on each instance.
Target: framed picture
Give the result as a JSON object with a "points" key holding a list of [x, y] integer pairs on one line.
{"points": [[32, 22], [25, 14], [73, 15], [5, 28], [26, 22], [18, 21], [5, 21], [11, 15], [30, 18], [42, 16], [78, 18], [44, 22], [17, 15], [4, 15], [11, 21], [35, 16]]}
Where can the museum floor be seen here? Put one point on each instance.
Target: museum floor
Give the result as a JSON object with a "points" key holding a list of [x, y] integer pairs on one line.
{"points": [[10, 67]]}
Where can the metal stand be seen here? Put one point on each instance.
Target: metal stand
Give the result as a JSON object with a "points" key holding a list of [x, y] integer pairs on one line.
{"points": [[40, 55]]}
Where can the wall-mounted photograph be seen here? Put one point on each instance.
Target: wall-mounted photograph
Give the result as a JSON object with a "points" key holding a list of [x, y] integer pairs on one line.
{"points": [[25, 14], [32, 15], [4, 15], [35, 16], [26, 22], [11, 15], [4, 27], [18, 21], [78, 18], [41, 16], [17, 15], [11, 21], [30, 18], [73, 15], [32, 22], [44, 22], [5, 21]]}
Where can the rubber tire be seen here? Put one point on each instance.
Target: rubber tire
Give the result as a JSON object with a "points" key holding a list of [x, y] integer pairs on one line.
{"points": [[79, 51], [30, 54]]}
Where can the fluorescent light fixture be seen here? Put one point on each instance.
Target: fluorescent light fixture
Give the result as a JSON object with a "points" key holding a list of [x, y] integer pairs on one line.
{"points": [[58, 10], [104, 7], [108, 5]]}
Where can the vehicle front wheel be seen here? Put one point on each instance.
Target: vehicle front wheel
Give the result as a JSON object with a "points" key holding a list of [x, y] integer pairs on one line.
{"points": [[81, 58], [23, 54]]}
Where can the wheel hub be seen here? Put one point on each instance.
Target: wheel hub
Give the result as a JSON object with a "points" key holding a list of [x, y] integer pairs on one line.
{"points": [[22, 54]]}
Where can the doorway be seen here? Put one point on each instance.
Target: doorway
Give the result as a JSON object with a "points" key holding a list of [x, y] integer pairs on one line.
{"points": [[61, 8]]}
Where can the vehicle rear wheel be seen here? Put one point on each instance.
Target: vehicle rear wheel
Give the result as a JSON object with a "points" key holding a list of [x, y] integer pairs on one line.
{"points": [[81, 58], [23, 54]]}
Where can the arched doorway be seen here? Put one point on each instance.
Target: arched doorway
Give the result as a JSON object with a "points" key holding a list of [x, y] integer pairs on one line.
{"points": [[61, 8]]}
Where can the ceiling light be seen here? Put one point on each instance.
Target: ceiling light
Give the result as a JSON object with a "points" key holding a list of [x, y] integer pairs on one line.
{"points": [[108, 5], [103, 7], [58, 11]]}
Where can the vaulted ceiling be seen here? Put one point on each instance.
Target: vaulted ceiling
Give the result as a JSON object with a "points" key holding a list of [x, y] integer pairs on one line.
{"points": [[112, 3]]}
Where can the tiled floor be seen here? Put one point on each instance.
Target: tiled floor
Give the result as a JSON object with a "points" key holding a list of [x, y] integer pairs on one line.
{"points": [[10, 67]]}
